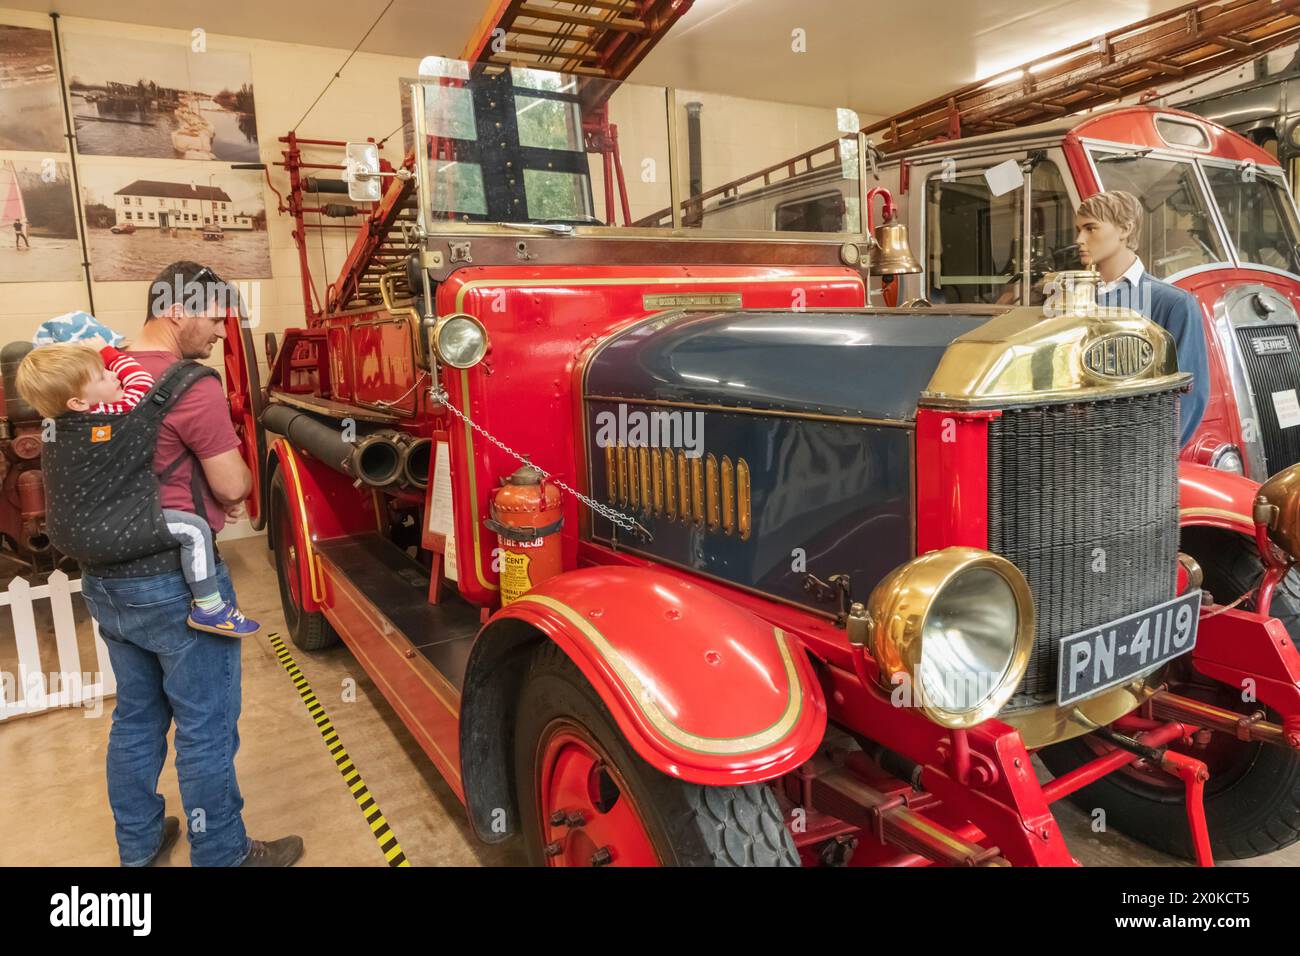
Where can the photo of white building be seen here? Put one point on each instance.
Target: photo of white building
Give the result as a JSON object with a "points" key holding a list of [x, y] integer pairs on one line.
{"points": [[150, 204], [139, 218]]}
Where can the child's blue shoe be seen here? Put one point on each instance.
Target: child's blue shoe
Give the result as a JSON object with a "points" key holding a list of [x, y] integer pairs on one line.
{"points": [[226, 619]]}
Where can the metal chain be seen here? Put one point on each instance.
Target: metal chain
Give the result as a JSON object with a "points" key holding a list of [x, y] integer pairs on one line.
{"points": [[626, 522], [398, 399]]}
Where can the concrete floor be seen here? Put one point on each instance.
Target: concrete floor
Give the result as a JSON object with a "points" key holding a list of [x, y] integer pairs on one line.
{"points": [[289, 781]]}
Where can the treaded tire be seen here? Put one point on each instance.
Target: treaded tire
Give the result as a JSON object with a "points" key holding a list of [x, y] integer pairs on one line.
{"points": [[308, 630], [688, 824], [1257, 809]]}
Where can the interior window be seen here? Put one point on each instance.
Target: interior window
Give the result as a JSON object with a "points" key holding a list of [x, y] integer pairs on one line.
{"points": [[1177, 232], [974, 247], [825, 213], [449, 112]]}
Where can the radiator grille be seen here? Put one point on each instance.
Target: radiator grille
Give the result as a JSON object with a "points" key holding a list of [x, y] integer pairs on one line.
{"points": [[1274, 371], [1084, 499]]}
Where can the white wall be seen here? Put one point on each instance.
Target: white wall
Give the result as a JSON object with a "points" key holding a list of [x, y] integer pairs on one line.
{"points": [[739, 136], [286, 78]]}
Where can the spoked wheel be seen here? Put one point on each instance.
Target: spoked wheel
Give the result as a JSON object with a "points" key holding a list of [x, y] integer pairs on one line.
{"points": [[587, 799], [307, 629], [1252, 799], [244, 393]]}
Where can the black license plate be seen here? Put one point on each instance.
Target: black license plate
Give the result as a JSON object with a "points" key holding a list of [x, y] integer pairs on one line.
{"points": [[1115, 652]]}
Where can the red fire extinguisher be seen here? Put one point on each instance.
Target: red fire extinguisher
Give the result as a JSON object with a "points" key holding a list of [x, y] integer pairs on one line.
{"points": [[526, 518]]}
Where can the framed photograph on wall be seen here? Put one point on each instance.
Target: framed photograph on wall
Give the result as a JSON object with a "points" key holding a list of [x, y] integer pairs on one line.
{"points": [[31, 116], [160, 101], [139, 218], [38, 222]]}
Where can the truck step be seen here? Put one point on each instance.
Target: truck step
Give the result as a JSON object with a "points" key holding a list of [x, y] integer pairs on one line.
{"points": [[397, 588]]}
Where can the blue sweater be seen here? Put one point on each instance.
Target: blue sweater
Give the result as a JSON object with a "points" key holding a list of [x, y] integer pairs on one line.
{"points": [[1178, 312]]}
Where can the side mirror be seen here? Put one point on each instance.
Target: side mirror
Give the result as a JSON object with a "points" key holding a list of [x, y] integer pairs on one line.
{"points": [[361, 172]]}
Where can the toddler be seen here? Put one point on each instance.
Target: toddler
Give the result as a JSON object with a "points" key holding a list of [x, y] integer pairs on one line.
{"points": [[64, 377]]}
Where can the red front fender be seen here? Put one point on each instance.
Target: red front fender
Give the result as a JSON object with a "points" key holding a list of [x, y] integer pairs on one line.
{"points": [[1219, 499], [702, 689]]}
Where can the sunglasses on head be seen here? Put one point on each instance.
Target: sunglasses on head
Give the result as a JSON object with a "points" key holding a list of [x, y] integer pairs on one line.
{"points": [[208, 281]]}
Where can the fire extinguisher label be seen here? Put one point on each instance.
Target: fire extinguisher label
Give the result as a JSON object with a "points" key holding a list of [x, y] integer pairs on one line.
{"points": [[514, 575]]}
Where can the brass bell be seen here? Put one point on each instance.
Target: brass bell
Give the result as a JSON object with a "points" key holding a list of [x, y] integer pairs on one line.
{"points": [[890, 253]]}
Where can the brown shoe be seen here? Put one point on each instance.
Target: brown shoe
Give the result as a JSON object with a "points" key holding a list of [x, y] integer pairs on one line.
{"points": [[282, 852], [171, 830]]}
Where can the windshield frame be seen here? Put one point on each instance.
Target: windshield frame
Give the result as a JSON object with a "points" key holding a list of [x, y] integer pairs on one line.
{"points": [[440, 227], [1198, 160]]}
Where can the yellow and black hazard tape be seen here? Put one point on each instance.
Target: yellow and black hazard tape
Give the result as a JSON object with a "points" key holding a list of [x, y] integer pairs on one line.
{"points": [[366, 803]]}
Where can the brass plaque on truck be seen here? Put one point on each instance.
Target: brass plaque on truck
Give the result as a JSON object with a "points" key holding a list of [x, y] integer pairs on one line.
{"points": [[692, 302]]}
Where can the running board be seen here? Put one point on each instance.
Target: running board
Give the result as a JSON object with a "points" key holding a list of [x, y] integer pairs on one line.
{"points": [[375, 590]]}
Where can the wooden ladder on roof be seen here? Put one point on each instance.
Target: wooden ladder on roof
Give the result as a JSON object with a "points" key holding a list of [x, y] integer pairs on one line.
{"points": [[1186, 42], [605, 39]]}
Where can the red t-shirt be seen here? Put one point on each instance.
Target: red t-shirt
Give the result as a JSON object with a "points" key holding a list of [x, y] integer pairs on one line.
{"points": [[200, 423]]}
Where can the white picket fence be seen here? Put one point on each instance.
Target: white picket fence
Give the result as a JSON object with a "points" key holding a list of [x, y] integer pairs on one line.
{"points": [[39, 685]]}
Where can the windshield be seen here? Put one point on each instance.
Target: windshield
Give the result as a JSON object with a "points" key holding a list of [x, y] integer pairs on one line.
{"points": [[1177, 231], [1258, 213], [521, 145], [975, 246]]}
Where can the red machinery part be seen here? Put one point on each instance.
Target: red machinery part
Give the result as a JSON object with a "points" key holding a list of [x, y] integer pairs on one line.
{"points": [[26, 445], [31, 493]]}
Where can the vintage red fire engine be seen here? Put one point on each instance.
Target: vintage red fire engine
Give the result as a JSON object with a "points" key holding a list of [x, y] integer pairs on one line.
{"points": [[668, 550]]}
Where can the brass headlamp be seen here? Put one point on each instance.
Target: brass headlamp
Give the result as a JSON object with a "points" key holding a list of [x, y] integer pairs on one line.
{"points": [[957, 627], [459, 340], [1277, 507]]}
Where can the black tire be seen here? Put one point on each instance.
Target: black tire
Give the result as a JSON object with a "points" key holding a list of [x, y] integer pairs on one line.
{"points": [[308, 630], [688, 824], [1251, 808]]}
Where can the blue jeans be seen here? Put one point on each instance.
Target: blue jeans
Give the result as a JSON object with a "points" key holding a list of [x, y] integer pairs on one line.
{"points": [[168, 671]]}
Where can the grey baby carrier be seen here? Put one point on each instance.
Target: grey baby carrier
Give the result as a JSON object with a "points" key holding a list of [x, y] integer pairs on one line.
{"points": [[103, 501]]}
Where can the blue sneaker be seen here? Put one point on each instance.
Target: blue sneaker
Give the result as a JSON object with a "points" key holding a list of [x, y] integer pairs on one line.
{"points": [[226, 619]]}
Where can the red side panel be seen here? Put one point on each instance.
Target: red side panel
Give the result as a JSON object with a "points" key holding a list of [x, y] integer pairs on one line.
{"points": [[324, 504], [537, 319], [952, 483]]}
